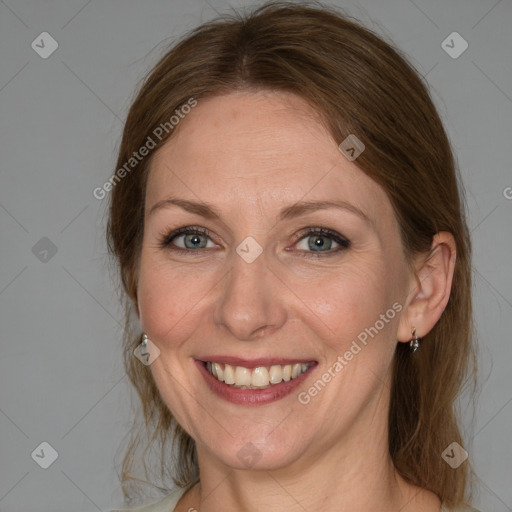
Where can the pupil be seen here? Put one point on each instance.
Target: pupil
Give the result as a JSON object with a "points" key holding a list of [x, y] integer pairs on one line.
{"points": [[319, 243], [194, 241]]}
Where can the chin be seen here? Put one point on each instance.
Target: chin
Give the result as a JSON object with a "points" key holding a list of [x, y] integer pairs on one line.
{"points": [[256, 452]]}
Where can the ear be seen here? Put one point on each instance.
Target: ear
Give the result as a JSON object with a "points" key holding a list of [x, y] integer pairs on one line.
{"points": [[430, 288], [132, 279], [135, 302]]}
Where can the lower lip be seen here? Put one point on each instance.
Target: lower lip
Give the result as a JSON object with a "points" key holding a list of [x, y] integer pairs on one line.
{"points": [[251, 396]]}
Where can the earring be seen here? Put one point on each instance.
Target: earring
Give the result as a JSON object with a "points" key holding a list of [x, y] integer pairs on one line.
{"points": [[144, 340], [414, 344]]}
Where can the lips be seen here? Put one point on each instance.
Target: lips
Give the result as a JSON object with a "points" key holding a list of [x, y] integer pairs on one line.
{"points": [[244, 382]]}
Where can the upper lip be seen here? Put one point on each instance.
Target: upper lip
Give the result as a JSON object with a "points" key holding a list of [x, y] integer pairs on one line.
{"points": [[253, 363]]}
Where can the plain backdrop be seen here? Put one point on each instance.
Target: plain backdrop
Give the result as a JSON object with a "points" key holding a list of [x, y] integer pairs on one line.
{"points": [[61, 375]]}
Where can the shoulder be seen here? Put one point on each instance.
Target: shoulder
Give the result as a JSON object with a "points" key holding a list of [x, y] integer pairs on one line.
{"points": [[166, 504]]}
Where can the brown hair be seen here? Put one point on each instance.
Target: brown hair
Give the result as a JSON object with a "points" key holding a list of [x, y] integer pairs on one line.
{"points": [[359, 84]]}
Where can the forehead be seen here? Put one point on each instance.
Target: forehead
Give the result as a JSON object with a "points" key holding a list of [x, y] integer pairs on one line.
{"points": [[267, 149]]}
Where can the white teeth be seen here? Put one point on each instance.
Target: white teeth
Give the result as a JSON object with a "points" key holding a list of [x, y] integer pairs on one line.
{"points": [[276, 374], [229, 374], [218, 371], [242, 376], [260, 377], [296, 369]]}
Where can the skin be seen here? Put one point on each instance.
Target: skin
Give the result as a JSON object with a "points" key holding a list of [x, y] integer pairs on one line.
{"points": [[249, 155]]}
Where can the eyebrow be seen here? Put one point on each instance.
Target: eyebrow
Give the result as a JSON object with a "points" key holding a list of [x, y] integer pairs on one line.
{"points": [[295, 210]]}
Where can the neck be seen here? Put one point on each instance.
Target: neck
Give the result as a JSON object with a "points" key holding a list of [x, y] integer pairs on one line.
{"points": [[347, 489]]}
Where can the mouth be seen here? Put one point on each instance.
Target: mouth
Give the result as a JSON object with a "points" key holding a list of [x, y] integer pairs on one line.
{"points": [[253, 382], [260, 377]]}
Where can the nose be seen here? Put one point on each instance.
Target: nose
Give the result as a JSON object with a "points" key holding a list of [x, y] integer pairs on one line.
{"points": [[250, 306]]}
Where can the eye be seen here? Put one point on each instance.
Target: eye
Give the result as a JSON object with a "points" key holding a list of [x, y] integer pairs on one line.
{"points": [[319, 241], [322, 240], [188, 239]]}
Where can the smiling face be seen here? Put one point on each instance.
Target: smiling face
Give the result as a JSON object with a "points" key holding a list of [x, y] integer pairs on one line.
{"points": [[286, 253]]}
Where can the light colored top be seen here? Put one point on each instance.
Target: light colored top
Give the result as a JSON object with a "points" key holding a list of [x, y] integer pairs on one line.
{"points": [[169, 503]]}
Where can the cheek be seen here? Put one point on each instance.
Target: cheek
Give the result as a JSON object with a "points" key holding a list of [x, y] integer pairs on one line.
{"points": [[170, 298], [350, 303]]}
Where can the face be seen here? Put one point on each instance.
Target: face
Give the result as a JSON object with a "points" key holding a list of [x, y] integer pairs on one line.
{"points": [[271, 259]]}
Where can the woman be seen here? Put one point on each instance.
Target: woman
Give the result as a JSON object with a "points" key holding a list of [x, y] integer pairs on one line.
{"points": [[290, 233]]}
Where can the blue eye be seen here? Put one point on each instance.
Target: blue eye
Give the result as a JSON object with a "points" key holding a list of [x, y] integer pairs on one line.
{"points": [[188, 239], [315, 242], [322, 240]]}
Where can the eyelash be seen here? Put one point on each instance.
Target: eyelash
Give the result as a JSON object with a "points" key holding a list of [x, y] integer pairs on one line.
{"points": [[344, 243]]}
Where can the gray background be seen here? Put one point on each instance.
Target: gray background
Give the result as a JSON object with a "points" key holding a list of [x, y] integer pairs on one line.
{"points": [[61, 376]]}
